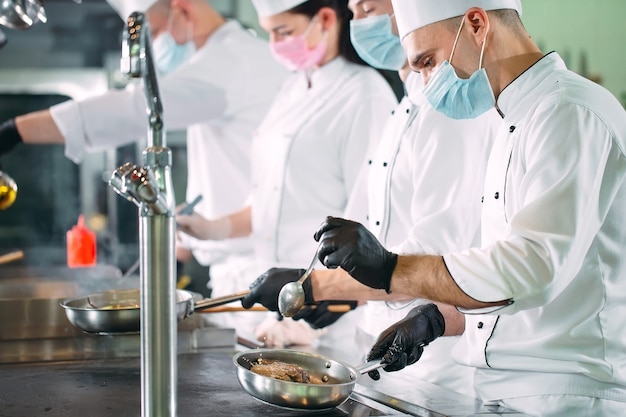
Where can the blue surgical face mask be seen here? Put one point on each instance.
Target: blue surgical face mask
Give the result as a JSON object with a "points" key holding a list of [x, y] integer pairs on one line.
{"points": [[375, 42], [168, 55], [460, 98]]}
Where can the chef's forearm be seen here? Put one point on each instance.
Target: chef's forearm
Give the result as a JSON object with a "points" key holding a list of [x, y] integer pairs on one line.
{"points": [[454, 319], [38, 128], [240, 223], [337, 284], [426, 276]]}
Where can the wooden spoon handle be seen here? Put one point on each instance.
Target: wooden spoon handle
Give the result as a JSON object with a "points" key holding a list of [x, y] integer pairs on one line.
{"points": [[11, 256]]}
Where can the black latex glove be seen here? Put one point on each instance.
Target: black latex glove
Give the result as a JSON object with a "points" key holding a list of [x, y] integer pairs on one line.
{"points": [[9, 136], [349, 245], [264, 290], [402, 343], [318, 315]]}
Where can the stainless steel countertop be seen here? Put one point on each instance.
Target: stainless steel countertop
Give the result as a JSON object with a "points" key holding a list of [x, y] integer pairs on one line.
{"points": [[48, 368]]}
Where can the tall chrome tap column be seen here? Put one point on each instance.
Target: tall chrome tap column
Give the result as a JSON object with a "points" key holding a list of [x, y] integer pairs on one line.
{"points": [[150, 187]]}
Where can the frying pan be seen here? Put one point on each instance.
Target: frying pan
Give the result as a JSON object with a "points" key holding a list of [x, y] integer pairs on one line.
{"points": [[340, 378], [117, 311]]}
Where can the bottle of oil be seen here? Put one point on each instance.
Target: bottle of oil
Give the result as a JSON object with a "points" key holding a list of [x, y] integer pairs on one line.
{"points": [[8, 191]]}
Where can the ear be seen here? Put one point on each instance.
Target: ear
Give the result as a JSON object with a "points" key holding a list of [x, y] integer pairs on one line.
{"points": [[182, 5], [328, 17], [477, 20]]}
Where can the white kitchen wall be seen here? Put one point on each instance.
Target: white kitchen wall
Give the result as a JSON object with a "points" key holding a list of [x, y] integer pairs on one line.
{"points": [[589, 34]]}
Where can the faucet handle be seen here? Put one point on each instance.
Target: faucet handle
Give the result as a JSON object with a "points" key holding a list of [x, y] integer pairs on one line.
{"points": [[119, 182]]}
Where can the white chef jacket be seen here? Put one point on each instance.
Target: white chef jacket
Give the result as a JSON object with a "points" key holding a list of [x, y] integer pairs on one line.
{"points": [[219, 97], [307, 155], [425, 188], [553, 238]]}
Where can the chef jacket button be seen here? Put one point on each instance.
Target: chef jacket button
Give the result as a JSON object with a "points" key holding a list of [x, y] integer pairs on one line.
{"points": [[482, 199], [367, 217], [511, 129], [480, 325], [377, 223], [369, 162], [384, 164], [393, 112], [408, 111], [496, 195]]}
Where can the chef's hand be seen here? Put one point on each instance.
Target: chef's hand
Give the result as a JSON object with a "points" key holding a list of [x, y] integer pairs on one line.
{"points": [[351, 246], [199, 227], [402, 343], [321, 315], [9, 136], [264, 290]]}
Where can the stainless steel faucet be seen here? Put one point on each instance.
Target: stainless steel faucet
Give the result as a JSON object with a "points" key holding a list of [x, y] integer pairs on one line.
{"points": [[150, 187]]}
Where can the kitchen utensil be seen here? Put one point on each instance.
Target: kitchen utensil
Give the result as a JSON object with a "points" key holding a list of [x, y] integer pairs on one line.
{"points": [[291, 296], [333, 308], [188, 209], [134, 267], [117, 311], [8, 190], [11, 256], [340, 378]]}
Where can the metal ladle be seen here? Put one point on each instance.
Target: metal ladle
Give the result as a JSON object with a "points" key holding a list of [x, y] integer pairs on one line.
{"points": [[291, 296]]}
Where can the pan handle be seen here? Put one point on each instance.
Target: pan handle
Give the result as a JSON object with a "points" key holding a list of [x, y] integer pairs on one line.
{"points": [[218, 301], [370, 366]]}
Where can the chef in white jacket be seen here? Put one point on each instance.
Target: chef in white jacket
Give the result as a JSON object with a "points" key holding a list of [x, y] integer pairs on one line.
{"points": [[309, 150], [217, 81], [425, 182], [544, 294]]}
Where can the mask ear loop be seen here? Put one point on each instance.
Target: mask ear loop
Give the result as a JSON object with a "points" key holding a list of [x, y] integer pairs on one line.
{"points": [[170, 20], [482, 49], [458, 33], [190, 32], [308, 29]]}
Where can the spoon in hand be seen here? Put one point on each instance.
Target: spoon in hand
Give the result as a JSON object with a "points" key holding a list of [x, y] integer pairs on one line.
{"points": [[291, 296]]}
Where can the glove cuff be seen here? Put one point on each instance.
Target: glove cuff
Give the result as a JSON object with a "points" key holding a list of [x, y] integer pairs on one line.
{"points": [[308, 290], [435, 319], [10, 136], [387, 271]]}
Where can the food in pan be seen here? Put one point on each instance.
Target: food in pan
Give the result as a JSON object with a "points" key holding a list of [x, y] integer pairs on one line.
{"points": [[284, 371], [120, 305]]}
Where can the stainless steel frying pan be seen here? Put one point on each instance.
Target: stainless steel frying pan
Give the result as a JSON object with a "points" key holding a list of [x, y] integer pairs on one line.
{"points": [[117, 311], [340, 379]]}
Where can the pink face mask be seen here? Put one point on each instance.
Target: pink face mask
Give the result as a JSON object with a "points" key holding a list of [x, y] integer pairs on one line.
{"points": [[294, 53]]}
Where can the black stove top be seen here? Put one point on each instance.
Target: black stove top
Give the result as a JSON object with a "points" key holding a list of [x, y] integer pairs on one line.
{"points": [[207, 386]]}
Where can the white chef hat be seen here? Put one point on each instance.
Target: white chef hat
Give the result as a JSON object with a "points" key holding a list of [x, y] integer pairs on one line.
{"points": [[272, 7], [125, 7], [414, 14]]}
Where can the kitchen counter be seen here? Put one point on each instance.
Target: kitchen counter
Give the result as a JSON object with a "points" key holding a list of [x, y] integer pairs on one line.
{"points": [[207, 386], [49, 368]]}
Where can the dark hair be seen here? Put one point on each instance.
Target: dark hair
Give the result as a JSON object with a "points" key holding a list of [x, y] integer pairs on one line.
{"points": [[344, 15]]}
